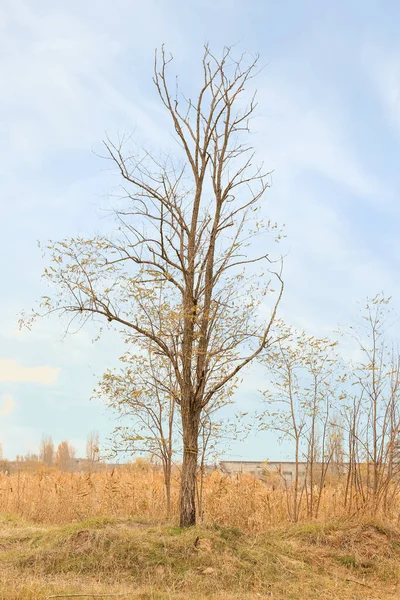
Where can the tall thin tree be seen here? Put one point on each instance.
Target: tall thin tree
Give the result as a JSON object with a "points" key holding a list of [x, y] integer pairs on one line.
{"points": [[190, 236]]}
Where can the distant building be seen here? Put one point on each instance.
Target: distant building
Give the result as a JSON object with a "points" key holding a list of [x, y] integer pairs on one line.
{"points": [[275, 471], [261, 469]]}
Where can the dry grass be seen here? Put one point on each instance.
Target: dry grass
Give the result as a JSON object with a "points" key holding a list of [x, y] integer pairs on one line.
{"points": [[243, 502], [107, 533], [159, 562]]}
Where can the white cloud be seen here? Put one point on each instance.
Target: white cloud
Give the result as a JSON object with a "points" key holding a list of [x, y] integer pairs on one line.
{"points": [[74, 70], [300, 134], [7, 404], [12, 372], [64, 85], [382, 66]]}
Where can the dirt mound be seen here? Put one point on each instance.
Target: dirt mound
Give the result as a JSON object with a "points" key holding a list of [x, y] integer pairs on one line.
{"points": [[81, 541], [366, 541]]}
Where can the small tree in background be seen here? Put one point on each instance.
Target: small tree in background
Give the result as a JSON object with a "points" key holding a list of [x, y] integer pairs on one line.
{"points": [[4, 464], [300, 400], [335, 442], [64, 456], [46, 452], [372, 412], [93, 450], [143, 395]]}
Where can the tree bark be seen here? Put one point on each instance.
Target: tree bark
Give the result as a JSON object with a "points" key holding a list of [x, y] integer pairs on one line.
{"points": [[190, 426], [167, 484]]}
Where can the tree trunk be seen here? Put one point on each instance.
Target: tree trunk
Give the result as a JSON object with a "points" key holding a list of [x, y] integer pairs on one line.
{"points": [[167, 484], [200, 486], [190, 430]]}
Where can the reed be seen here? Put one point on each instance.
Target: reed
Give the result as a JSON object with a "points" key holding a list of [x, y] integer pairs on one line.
{"points": [[242, 502]]}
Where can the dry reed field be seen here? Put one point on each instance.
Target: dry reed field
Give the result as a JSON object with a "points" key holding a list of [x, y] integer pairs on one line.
{"points": [[242, 501], [107, 533]]}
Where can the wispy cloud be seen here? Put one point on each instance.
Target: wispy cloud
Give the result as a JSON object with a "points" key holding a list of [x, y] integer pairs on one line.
{"points": [[382, 65], [13, 372], [302, 135], [73, 71], [7, 405]]}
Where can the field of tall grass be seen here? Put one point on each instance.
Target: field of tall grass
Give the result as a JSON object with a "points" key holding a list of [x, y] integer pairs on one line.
{"points": [[241, 502]]}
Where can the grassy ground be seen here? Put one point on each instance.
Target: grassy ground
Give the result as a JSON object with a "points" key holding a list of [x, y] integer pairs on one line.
{"points": [[143, 562]]}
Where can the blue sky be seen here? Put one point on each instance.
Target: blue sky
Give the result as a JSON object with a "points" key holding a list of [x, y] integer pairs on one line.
{"points": [[328, 124]]}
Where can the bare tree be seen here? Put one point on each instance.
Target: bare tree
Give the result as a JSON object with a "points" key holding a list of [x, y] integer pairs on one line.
{"points": [[4, 463], [372, 410], [145, 394], [186, 238], [299, 400], [46, 451], [93, 450], [64, 456], [335, 442]]}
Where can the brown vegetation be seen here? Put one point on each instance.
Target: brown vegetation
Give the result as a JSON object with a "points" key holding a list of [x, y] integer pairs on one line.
{"points": [[155, 562], [137, 492], [106, 532]]}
